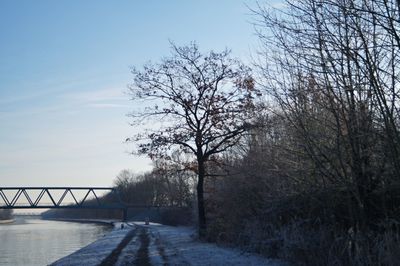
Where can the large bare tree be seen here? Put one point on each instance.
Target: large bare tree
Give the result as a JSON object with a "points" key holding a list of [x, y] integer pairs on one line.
{"points": [[199, 103]]}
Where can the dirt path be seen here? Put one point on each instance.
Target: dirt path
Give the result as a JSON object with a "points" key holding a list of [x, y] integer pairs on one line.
{"points": [[141, 250], [142, 255], [160, 245], [113, 257]]}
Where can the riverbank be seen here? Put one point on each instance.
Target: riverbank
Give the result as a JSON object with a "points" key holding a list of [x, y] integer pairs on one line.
{"points": [[99, 250], [155, 244], [9, 221], [95, 221]]}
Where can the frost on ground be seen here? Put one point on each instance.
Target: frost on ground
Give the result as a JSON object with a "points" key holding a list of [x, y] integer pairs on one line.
{"points": [[95, 253], [176, 246], [156, 244]]}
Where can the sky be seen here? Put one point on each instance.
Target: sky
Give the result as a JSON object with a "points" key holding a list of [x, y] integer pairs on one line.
{"points": [[64, 71]]}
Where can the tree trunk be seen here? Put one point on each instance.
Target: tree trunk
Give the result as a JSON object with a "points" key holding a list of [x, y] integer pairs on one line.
{"points": [[200, 198]]}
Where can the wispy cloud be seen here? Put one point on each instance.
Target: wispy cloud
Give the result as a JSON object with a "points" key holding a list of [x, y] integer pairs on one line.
{"points": [[100, 95], [45, 88], [112, 97], [65, 102], [108, 105]]}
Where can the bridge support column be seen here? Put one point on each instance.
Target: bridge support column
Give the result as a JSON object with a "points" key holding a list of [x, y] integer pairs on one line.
{"points": [[125, 214]]}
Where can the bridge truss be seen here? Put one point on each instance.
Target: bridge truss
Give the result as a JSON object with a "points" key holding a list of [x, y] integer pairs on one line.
{"points": [[82, 198]]}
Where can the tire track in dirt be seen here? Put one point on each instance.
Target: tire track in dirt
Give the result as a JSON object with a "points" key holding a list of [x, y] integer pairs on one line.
{"points": [[142, 255], [161, 250], [111, 259]]}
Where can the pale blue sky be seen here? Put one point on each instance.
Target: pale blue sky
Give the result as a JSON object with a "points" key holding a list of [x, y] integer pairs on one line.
{"points": [[64, 67]]}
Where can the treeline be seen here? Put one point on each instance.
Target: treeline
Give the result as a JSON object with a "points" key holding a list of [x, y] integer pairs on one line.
{"points": [[319, 183], [168, 184], [163, 195]]}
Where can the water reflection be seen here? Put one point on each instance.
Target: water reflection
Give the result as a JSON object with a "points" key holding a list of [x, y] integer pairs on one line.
{"points": [[30, 241]]}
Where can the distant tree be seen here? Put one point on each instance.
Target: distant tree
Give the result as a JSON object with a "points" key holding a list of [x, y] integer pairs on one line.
{"points": [[123, 179], [201, 103], [177, 179]]}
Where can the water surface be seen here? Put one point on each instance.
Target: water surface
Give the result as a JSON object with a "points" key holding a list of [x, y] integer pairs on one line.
{"points": [[31, 241]]}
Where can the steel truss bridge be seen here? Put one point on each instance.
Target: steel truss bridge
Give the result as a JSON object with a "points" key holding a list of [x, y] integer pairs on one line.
{"points": [[34, 198]]}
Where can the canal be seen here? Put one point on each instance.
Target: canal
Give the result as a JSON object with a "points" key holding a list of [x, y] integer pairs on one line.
{"points": [[32, 241]]}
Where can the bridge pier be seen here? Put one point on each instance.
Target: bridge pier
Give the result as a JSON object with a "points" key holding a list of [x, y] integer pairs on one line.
{"points": [[125, 214]]}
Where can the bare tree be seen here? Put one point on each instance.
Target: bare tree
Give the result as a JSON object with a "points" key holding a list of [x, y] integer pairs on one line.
{"points": [[201, 103]]}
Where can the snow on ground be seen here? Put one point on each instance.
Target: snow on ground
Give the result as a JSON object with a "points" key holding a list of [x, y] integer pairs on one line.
{"points": [[155, 244], [128, 254], [177, 246], [95, 253]]}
